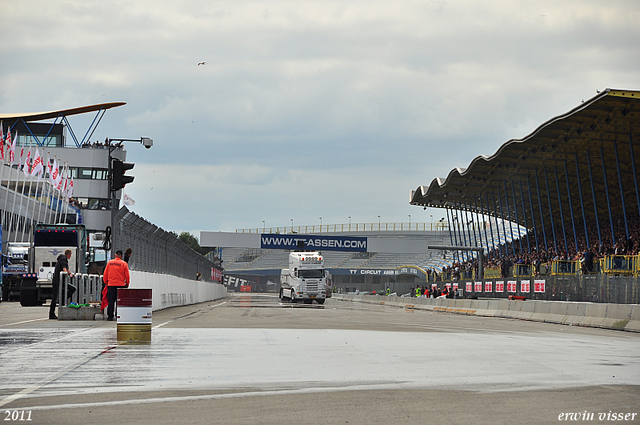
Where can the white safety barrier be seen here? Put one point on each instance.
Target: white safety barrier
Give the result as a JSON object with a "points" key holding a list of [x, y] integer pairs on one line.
{"points": [[172, 291], [602, 315]]}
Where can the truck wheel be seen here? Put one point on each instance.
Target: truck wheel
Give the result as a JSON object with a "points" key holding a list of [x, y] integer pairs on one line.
{"points": [[320, 300], [281, 295], [293, 297], [28, 297]]}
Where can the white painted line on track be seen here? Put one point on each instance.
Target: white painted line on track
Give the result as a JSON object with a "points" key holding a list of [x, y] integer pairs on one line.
{"points": [[25, 321], [312, 390], [50, 379]]}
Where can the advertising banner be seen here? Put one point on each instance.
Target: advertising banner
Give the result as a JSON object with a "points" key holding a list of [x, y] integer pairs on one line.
{"points": [[314, 242], [539, 285], [525, 286], [499, 286]]}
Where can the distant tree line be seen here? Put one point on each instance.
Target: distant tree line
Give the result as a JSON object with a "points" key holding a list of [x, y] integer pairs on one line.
{"points": [[191, 241]]}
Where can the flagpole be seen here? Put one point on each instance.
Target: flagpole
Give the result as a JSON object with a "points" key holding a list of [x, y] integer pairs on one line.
{"points": [[2, 141], [48, 198], [15, 199], [2, 146], [41, 183], [48, 204], [64, 189], [22, 196], [29, 202], [6, 200]]}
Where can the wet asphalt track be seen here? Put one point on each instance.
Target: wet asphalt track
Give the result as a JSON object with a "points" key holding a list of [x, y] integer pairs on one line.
{"points": [[252, 359]]}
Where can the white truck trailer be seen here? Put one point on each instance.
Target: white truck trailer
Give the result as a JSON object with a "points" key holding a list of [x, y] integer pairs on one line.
{"points": [[305, 279]]}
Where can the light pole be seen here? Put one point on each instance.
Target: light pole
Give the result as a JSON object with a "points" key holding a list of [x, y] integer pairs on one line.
{"points": [[320, 223], [264, 226], [291, 225], [349, 223], [115, 204], [378, 223], [409, 221]]}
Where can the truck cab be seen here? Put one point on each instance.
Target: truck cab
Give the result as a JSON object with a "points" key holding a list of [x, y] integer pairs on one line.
{"points": [[305, 279], [49, 241]]}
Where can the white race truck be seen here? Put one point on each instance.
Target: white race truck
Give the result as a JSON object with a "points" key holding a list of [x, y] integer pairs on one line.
{"points": [[305, 279]]}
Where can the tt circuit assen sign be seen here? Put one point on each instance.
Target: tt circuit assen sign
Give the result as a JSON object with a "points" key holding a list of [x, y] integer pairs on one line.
{"points": [[325, 243]]}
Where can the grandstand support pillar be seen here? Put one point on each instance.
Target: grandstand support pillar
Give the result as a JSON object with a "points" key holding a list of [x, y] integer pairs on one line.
{"points": [[633, 168], [504, 228], [606, 189], [624, 209], [506, 198], [475, 200], [515, 207], [493, 245], [475, 241], [553, 227], [573, 222], [480, 252], [533, 217], [544, 232], [584, 217], [593, 195], [461, 238], [524, 212], [478, 235], [495, 217], [450, 222], [564, 232]]}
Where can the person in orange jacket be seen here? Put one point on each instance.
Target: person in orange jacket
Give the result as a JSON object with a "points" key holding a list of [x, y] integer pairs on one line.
{"points": [[116, 275]]}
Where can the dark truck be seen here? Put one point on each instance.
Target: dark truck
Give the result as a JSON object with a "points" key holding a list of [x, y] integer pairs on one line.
{"points": [[14, 265], [49, 241]]}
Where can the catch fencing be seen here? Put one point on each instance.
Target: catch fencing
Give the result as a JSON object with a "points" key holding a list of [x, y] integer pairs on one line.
{"points": [[158, 251]]}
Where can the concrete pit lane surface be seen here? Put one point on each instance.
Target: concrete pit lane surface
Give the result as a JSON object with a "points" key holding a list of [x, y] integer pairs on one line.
{"points": [[252, 359]]}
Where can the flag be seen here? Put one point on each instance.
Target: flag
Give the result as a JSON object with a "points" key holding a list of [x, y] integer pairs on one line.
{"points": [[54, 175], [1, 142], [70, 189], [37, 167], [49, 170], [62, 177], [12, 151], [27, 164], [128, 200], [20, 159]]}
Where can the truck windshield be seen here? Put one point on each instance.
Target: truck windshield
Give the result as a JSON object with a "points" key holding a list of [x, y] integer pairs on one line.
{"points": [[310, 274]]}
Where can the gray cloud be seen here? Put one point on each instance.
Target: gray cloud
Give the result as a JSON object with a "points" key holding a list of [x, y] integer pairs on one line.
{"points": [[367, 99]]}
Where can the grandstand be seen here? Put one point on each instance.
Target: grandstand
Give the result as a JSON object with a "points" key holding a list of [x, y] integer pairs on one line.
{"points": [[573, 184], [560, 207]]}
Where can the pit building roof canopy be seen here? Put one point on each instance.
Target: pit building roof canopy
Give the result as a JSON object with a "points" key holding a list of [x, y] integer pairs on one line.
{"points": [[563, 165]]}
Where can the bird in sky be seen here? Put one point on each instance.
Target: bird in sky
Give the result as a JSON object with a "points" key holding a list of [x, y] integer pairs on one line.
{"points": [[201, 63]]}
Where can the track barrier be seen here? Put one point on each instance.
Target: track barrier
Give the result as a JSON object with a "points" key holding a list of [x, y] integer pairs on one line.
{"points": [[599, 315]]}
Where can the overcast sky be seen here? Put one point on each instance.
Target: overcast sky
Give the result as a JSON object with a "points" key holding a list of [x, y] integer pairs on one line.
{"points": [[309, 109]]}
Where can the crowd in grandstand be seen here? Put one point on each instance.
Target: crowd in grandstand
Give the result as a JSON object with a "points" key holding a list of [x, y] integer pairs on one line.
{"points": [[527, 252]]}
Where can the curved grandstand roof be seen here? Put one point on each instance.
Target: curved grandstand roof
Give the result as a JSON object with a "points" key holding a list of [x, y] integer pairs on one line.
{"points": [[39, 116], [562, 165]]}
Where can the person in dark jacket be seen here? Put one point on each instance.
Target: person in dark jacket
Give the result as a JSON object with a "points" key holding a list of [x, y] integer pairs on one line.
{"points": [[62, 265]]}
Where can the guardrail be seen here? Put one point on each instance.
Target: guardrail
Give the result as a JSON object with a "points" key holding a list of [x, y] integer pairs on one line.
{"points": [[87, 288], [620, 264]]}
